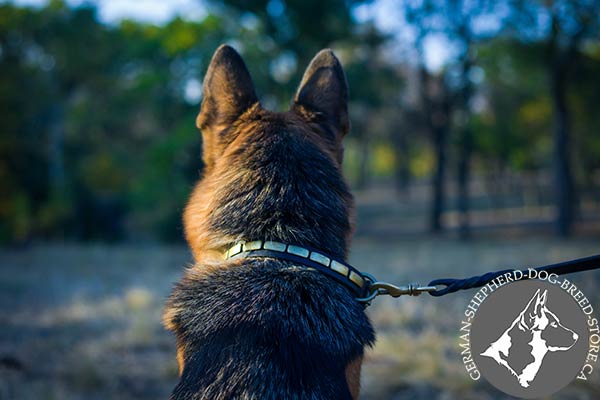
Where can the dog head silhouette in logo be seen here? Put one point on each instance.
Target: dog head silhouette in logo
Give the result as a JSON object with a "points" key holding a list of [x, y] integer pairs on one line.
{"points": [[534, 333]]}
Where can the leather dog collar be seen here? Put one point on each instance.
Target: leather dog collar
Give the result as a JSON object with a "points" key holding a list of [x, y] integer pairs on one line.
{"points": [[356, 281]]}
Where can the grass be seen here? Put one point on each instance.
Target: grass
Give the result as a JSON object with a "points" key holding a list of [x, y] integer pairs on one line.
{"points": [[83, 322]]}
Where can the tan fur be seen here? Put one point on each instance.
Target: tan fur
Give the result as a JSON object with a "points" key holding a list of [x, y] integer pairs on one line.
{"points": [[353, 376], [180, 361]]}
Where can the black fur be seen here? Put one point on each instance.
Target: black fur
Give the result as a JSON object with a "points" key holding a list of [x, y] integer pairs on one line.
{"points": [[267, 330]]}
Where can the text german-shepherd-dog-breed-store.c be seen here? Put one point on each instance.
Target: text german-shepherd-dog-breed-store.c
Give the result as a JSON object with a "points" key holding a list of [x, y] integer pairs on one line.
{"points": [[267, 327]]}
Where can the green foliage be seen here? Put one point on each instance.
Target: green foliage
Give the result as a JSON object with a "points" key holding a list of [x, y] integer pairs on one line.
{"points": [[514, 130], [584, 98], [112, 99]]}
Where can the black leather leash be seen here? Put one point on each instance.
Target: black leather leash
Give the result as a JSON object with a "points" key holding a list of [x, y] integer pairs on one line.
{"points": [[562, 268]]}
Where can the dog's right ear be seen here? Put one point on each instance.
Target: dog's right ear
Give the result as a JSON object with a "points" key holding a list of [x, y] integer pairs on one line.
{"points": [[324, 92], [227, 92]]}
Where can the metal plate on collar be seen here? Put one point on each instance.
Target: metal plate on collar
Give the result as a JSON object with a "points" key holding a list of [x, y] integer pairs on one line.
{"points": [[356, 278], [234, 250], [255, 245], [320, 258], [339, 268], [275, 246], [298, 251]]}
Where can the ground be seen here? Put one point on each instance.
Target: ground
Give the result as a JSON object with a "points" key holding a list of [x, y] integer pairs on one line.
{"points": [[83, 321]]}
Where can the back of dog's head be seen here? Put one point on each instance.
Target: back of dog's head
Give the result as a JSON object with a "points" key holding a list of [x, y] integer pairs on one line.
{"points": [[271, 175]]}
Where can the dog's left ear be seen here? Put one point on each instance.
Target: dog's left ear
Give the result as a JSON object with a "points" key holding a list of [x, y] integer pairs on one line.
{"points": [[324, 91], [227, 92]]}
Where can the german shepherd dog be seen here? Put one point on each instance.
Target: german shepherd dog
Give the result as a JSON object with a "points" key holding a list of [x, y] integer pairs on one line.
{"points": [[267, 328]]}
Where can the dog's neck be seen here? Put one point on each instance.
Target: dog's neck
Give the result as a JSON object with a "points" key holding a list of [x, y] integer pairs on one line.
{"points": [[288, 191]]}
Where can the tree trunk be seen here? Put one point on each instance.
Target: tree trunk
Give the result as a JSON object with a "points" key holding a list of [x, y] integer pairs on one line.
{"points": [[466, 146], [563, 181], [464, 175], [402, 170], [362, 177], [56, 170], [439, 177], [436, 113]]}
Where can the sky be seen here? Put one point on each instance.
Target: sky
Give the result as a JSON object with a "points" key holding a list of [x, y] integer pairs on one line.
{"points": [[153, 11], [437, 51], [388, 18]]}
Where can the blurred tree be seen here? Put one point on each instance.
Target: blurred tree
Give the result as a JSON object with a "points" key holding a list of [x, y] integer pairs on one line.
{"points": [[435, 102], [584, 98], [462, 24], [302, 27], [437, 107], [513, 118], [374, 90], [23, 162], [563, 26], [87, 104]]}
